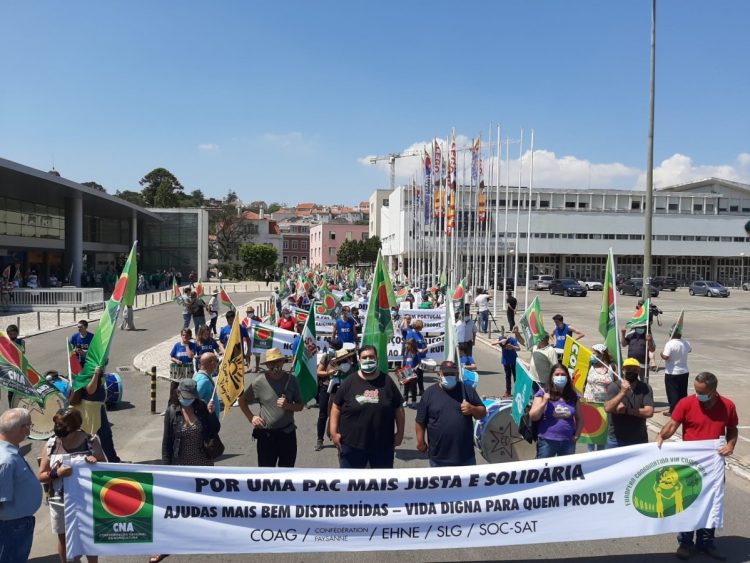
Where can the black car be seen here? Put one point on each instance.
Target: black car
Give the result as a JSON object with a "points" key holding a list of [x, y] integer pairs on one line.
{"points": [[634, 286], [567, 286], [663, 283]]}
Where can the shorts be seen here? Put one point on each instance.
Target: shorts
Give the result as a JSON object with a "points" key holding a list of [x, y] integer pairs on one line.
{"points": [[57, 515]]}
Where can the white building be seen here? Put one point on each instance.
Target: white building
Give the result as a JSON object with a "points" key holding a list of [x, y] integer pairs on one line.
{"points": [[378, 200], [698, 231]]}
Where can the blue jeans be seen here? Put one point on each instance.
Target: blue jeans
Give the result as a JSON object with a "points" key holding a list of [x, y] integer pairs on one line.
{"points": [[186, 320], [615, 443], [553, 448], [484, 317], [704, 538], [15, 539], [471, 461], [356, 458]]}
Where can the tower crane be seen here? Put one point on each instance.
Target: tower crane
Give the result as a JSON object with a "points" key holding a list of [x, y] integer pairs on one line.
{"points": [[391, 158]]}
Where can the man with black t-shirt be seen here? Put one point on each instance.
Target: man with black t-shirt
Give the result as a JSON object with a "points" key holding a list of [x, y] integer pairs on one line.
{"points": [[629, 403], [366, 410], [511, 312], [446, 411]]}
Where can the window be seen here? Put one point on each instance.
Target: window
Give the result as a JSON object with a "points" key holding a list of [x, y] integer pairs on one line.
{"points": [[621, 237], [332, 251], [660, 237], [570, 204], [364, 236], [294, 259], [332, 235], [348, 235], [286, 244], [582, 205], [303, 244], [286, 259], [675, 237], [674, 206], [734, 208], [710, 207], [295, 244], [544, 204], [697, 207], [635, 205], [385, 202], [688, 238]]}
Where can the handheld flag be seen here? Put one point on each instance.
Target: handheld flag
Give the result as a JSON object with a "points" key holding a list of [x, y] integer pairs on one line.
{"points": [[175, 290], [329, 304], [305, 360], [74, 364], [451, 336], [595, 423], [129, 298], [230, 383], [608, 314], [577, 358], [532, 324], [640, 317], [199, 288], [677, 327], [16, 374], [459, 295], [378, 328], [98, 352], [522, 389], [225, 300]]}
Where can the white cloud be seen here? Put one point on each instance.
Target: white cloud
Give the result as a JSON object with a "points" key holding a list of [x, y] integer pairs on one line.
{"points": [[568, 171], [208, 147], [284, 140]]}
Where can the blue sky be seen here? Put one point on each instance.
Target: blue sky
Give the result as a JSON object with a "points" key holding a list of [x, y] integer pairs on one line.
{"points": [[283, 100]]}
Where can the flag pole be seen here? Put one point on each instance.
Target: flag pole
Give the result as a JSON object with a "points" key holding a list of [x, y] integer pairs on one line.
{"points": [[497, 221], [528, 223], [507, 205], [617, 330], [487, 229], [518, 215]]}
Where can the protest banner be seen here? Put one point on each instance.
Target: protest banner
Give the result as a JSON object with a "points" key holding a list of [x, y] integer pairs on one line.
{"points": [[522, 390], [121, 509]]}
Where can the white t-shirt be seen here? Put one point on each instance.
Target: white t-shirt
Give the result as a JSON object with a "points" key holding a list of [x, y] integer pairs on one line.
{"points": [[482, 302], [677, 349]]}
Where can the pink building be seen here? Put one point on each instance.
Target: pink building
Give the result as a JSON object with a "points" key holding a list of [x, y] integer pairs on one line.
{"points": [[326, 238]]}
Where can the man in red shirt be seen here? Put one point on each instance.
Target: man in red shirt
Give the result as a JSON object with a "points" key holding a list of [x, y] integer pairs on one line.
{"points": [[703, 416], [287, 320]]}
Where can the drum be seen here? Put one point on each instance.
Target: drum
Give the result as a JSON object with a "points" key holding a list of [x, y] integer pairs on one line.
{"points": [[405, 375], [114, 390], [42, 425], [178, 372], [428, 365], [496, 435], [471, 378], [349, 346]]}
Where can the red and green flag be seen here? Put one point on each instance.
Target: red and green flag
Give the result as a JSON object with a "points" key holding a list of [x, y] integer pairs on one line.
{"points": [[16, 374], [401, 294], [459, 296], [378, 328], [306, 360], [532, 324], [677, 327], [640, 317], [225, 300], [301, 315], [608, 314], [595, 423], [199, 288], [74, 364], [329, 304], [175, 290], [98, 352], [262, 337]]}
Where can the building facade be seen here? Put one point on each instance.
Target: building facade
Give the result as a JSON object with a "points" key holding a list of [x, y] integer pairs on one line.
{"points": [[378, 200], [698, 232], [327, 238], [296, 243], [179, 241]]}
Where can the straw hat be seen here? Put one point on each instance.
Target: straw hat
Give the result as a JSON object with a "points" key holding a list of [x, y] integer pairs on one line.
{"points": [[343, 353], [273, 355]]}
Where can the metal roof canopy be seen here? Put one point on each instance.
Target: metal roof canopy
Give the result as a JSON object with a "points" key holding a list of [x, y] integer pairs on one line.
{"points": [[29, 184]]}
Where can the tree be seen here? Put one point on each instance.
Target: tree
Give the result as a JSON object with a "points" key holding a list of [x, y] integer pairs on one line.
{"points": [[370, 249], [231, 196], [197, 197], [258, 258], [131, 196], [275, 206], [227, 226], [159, 187], [94, 185], [348, 253]]}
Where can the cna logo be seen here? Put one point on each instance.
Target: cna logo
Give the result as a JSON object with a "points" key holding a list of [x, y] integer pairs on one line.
{"points": [[123, 507], [666, 490]]}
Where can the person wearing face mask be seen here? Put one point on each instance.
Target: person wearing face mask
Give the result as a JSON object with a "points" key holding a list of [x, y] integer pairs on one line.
{"points": [[344, 328], [68, 443], [629, 403], [287, 320], [327, 368], [415, 332], [447, 412], [600, 377], [366, 409], [466, 332], [279, 396], [703, 416], [639, 344], [555, 407]]}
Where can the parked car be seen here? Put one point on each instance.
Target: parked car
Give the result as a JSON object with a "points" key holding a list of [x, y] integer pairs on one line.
{"points": [[708, 288], [634, 286], [567, 286], [746, 286], [540, 282], [592, 285], [664, 283], [509, 281]]}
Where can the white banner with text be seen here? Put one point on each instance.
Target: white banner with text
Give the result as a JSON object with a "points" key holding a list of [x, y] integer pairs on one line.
{"points": [[123, 509]]}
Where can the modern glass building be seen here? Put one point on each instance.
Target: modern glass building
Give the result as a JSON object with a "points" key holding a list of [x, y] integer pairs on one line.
{"points": [[58, 228]]}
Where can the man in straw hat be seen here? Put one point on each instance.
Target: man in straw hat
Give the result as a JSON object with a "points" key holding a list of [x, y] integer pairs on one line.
{"points": [[278, 394]]}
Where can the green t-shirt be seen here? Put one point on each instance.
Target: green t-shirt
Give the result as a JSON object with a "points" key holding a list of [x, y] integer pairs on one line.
{"points": [[266, 391]]}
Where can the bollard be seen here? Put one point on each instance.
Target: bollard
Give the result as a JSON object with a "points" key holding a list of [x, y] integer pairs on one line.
{"points": [[75, 314], [38, 320], [18, 324], [58, 317], [153, 390]]}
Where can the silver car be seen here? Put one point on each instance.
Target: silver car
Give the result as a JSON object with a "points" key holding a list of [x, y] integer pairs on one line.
{"points": [[541, 282], [708, 288]]}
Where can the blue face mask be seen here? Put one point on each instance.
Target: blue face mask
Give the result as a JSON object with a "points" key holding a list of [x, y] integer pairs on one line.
{"points": [[186, 402], [594, 360], [559, 381], [703, 398], [449, 381]]}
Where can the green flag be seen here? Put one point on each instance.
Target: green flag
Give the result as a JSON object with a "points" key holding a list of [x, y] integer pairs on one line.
{"points": [[677, 327], [305, 360], [129, 299], [532, 324], [640, 317], [378, 328], [459, 295], [98, 353], [608, 314], [521, 392]]}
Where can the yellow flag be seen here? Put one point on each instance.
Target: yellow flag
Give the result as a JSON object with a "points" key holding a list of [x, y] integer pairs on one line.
{"points": [[231, 381], [577, 358]]}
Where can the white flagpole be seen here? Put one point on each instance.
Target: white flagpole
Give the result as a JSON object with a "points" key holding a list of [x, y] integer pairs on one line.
{"points": [[617, 329], [507, 205], [518, 215], [528, 225], [497, 220], [491, 168]]}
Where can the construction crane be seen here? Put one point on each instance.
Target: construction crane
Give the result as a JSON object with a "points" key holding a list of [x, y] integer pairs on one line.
{"points": [[391, 158]]}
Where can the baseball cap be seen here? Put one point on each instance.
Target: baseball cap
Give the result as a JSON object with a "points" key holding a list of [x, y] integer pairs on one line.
{"points": [[188, 389], [632, 363]]}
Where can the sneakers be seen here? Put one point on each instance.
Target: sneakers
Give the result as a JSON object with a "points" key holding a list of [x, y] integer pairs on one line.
{"points": [[319, 445], [683, 552], [712, 552], [666, 413]]}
